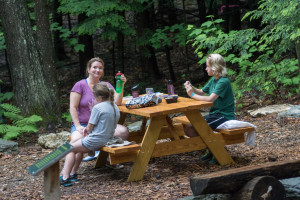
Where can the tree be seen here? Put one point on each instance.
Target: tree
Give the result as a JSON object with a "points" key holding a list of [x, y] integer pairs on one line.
{"points": [[281, 25], [58, 43], [147, 58], [88, 52], [34, 84]]}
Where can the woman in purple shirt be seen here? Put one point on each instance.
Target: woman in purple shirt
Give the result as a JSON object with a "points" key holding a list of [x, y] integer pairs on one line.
{"points": [[82, 100]]}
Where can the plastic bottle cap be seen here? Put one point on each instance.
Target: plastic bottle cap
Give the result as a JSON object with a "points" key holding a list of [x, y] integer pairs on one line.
{"points": [[119, 74]]}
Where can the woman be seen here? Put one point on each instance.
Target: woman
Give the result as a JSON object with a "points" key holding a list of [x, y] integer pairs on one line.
{"points": [[98, 132], [82, 101], [219, 92]]}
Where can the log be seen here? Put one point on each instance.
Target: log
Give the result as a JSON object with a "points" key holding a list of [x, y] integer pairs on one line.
{"points": [[232, 180], [261, 187]]}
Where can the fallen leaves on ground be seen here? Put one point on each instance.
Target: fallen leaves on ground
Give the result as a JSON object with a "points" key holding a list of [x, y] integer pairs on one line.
{"points": [[166, 177]]}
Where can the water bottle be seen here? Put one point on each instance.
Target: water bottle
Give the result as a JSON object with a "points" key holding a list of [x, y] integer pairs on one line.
{"points": [[170, 88], [119, 83]]}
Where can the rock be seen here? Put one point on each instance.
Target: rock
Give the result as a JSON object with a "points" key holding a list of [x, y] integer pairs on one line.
{"points": [[135, 126], [53, 140], [270, 109], [292, 112], [292, 187], [9, 147]]}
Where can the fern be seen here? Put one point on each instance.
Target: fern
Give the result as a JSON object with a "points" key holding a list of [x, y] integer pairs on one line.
{"points": [[11, 108], [28, 121], [19, 124]]}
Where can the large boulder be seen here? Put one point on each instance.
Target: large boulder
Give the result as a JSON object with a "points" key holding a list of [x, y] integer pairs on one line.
{"points": [[293, 112], [53, 140], [8, 147], [292, 187], [270, 109]]}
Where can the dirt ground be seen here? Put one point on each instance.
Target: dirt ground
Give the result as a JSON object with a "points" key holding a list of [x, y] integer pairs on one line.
{"points": [[166, 177]]}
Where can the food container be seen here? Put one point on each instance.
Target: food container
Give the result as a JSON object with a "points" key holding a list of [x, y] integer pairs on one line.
{"points": [[171, 98]]}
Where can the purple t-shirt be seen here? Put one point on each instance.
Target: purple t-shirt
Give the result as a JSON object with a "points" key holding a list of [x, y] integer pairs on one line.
{"points": [[87, 99]]}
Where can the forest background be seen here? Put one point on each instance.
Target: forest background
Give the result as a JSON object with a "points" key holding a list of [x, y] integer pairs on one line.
{"points": [[45, 46]]}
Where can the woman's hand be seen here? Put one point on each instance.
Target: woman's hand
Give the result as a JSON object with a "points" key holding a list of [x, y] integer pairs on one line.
{"points": [[123, 78], [80, 129]]}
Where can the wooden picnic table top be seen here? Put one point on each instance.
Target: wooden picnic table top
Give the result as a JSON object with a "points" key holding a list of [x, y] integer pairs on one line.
{"points": [[183, 104]]}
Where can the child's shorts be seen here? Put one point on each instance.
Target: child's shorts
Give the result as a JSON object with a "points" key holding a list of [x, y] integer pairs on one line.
{"points": [[214, 120], [93, 143]]}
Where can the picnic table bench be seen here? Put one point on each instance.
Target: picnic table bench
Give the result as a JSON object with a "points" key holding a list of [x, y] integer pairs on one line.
{"points": [[184, 120]]}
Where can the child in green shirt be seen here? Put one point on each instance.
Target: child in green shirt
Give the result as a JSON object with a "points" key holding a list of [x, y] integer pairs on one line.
{"points": [[219, 92]]}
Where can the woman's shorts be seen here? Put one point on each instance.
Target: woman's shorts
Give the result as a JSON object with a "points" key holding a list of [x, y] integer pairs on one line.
{"points": [[73, 128], [214, 120]]}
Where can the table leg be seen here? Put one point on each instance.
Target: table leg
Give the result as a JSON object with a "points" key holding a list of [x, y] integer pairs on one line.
{"points": [[143, 126], [149, 141], [122, 118], [101, 159], [207, 135]]}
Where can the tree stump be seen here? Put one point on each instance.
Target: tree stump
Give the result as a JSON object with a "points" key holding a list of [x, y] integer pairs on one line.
{"points": [[261, 188]]}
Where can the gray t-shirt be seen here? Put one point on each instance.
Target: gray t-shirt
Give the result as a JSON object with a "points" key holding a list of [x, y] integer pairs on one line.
{"points": [[105, 121]]}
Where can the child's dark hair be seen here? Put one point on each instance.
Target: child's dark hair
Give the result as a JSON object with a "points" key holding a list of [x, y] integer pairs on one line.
{"points": [[106, 93]]}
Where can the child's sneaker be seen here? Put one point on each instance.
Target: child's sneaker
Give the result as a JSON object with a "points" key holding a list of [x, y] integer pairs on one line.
{"points": [[213, 161], [207, 156], [89, 158], [116, 166], [66, 183], [73, 177]]}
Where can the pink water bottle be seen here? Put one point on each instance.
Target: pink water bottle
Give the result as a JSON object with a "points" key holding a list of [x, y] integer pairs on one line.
{"points": [[170, 88]]}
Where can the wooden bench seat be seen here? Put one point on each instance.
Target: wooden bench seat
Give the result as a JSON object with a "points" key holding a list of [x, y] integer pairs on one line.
{"points": [[123, 149], [184, 120], [117, 154]]}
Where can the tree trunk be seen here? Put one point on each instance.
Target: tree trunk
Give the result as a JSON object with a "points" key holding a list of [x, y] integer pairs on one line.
{"points": [[170, 66], [60, 53], [297, 47], [113, 58], [168, 18], [88, 52], [148, 63], [120, 52], [218, 182], [34, 85], [202, 11]]}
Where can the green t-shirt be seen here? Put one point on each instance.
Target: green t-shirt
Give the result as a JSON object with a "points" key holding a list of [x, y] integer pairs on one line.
{"points": [[224, 104]]}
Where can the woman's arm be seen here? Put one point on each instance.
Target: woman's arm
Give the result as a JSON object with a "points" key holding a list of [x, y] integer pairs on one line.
{"points": [[119, 96], [74, 103]]}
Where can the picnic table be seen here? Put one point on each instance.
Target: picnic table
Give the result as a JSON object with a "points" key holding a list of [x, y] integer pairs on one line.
{"points": [[160, 127]]}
